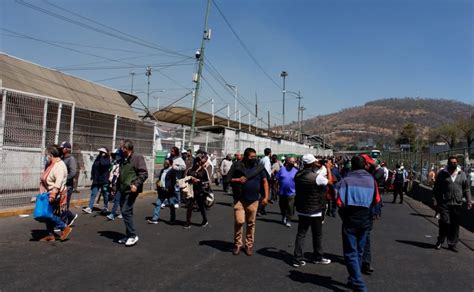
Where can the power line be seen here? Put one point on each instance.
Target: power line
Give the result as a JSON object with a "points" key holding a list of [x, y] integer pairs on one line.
{"points": [[244, 46], [129, 38]]}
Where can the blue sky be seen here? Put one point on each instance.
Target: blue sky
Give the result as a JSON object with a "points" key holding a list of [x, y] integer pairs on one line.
{"points": [[339, 53]]}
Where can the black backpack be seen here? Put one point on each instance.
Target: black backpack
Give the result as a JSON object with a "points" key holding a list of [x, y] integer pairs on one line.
{"points": [[399, 176]]}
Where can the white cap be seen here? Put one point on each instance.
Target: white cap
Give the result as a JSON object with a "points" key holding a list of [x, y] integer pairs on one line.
{"points": [[308, 158], [102, 150]]}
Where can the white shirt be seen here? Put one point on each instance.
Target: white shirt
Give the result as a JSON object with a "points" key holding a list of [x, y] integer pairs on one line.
{"points": [[225, 166], [267, 164], [322, 176]]}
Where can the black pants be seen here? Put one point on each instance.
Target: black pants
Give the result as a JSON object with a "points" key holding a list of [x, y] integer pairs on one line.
{"points": [[316, 224], [286, 206], [225, 184], [199, 199], [398, 189], [127, 200], [449, 224]]}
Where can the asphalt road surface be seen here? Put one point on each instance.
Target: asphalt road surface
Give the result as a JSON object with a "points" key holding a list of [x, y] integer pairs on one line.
{"points": [[170, 258]]}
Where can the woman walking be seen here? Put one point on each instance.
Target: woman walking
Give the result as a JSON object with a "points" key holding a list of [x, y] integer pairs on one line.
{"points": [[200, 182], [53, 180]]}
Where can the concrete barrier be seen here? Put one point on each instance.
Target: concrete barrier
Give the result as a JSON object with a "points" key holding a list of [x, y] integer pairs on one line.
{"points": [[424, 194]]}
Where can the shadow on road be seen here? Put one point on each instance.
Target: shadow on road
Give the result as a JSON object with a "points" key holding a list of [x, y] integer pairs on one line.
{"points": [[322, 281], [115, 236], [224, 204], [37, 234], [218, 244], [269, 220], [278, 254], [422, 215], [417, 243]]}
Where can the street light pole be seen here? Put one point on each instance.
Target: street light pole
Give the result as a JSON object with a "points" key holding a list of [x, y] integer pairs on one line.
{"points": [[234, 88], [133, 74], [148, 74], [299, 119], [283, 74]]}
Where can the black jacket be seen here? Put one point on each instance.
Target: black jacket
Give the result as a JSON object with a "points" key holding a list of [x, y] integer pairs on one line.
{"points": [[310, 198]]}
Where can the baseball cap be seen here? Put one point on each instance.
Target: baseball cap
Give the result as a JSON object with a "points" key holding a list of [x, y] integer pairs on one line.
{"points": [[65, 144], [368, 159], [103, 149], [308, 158]]}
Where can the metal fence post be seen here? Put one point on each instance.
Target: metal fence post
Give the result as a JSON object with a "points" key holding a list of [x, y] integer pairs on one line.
{"points": [[207, 139], [114, 134], [71, 128], [184, 139], [4, 111], [58, 123]]}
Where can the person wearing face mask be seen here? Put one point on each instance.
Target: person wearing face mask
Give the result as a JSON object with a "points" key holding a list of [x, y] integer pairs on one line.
{"points": [[200, 180], [133, 174], [53, 180], [100, 180], [450, 188], [398, 182], [310, 203], [247, 178], [286, 181]]}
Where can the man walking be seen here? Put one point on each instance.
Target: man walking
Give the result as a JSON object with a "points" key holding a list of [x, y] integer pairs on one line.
{"points": [[71, 166], [265, 161], [286, 180], [226, 164], [356, 194], [450, 187], [398, 183], [310, 203], [179, 166], [133, 174], [247, 178]]}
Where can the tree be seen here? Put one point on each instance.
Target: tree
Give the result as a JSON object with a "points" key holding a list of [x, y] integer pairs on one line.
{"points": [[407, 135], [466, 128], [448, 133]]}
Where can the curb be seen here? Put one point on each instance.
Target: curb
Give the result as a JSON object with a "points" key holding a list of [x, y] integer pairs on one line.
{"points": [[28, 210], [463, 233]]}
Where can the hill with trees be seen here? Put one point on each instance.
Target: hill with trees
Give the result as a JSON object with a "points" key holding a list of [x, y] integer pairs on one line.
{"points": [[394, 121]]}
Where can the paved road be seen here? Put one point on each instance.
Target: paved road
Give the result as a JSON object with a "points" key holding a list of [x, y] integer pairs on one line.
{"points": [[200, 259]]}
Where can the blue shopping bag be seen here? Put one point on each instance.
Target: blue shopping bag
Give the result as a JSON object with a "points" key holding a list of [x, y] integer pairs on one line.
{"points": [[43, 209]]}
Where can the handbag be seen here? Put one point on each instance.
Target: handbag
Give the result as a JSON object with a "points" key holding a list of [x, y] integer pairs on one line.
{"points": [[43, 209]]}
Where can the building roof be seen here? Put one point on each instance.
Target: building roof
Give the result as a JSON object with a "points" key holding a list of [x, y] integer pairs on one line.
{"points": [[28, 77], [183, 116]]}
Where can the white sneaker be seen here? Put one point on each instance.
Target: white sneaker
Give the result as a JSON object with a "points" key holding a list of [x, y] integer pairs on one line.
{"points": [[131, 241], [323, 261], [123, 240], [87, 210], [176, 206], [111, 217], [162, 206], [120, 216]]}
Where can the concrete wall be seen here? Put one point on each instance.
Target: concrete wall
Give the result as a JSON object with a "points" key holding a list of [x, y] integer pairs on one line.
{"points": [[424, 194]]}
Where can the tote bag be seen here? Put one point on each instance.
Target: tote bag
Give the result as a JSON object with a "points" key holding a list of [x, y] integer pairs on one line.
{"points": [[43, 209]]}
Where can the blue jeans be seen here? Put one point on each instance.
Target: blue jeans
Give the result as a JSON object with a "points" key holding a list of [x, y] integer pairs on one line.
{"points": [[177, 198], [353, 242], [116, 203], [156, 211], [104, 188], [55, 221]]}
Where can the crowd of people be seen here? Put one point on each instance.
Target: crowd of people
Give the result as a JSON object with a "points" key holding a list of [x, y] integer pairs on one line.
{"points": [[309, 187]]}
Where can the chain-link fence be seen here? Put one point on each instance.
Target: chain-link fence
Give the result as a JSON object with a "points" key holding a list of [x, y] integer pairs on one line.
{"points": [[31, 122], [422, 163]]}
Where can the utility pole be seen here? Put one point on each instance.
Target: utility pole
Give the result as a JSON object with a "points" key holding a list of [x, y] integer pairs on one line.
{"points": [[212, 100], [200, 57], [133, 74], [301, 128], [148, 74], [268, 123], [299, 116], [283, 74], [256, 113]]}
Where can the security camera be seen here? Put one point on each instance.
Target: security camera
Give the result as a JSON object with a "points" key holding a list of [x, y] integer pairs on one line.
{"points": [[198, 54]]}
